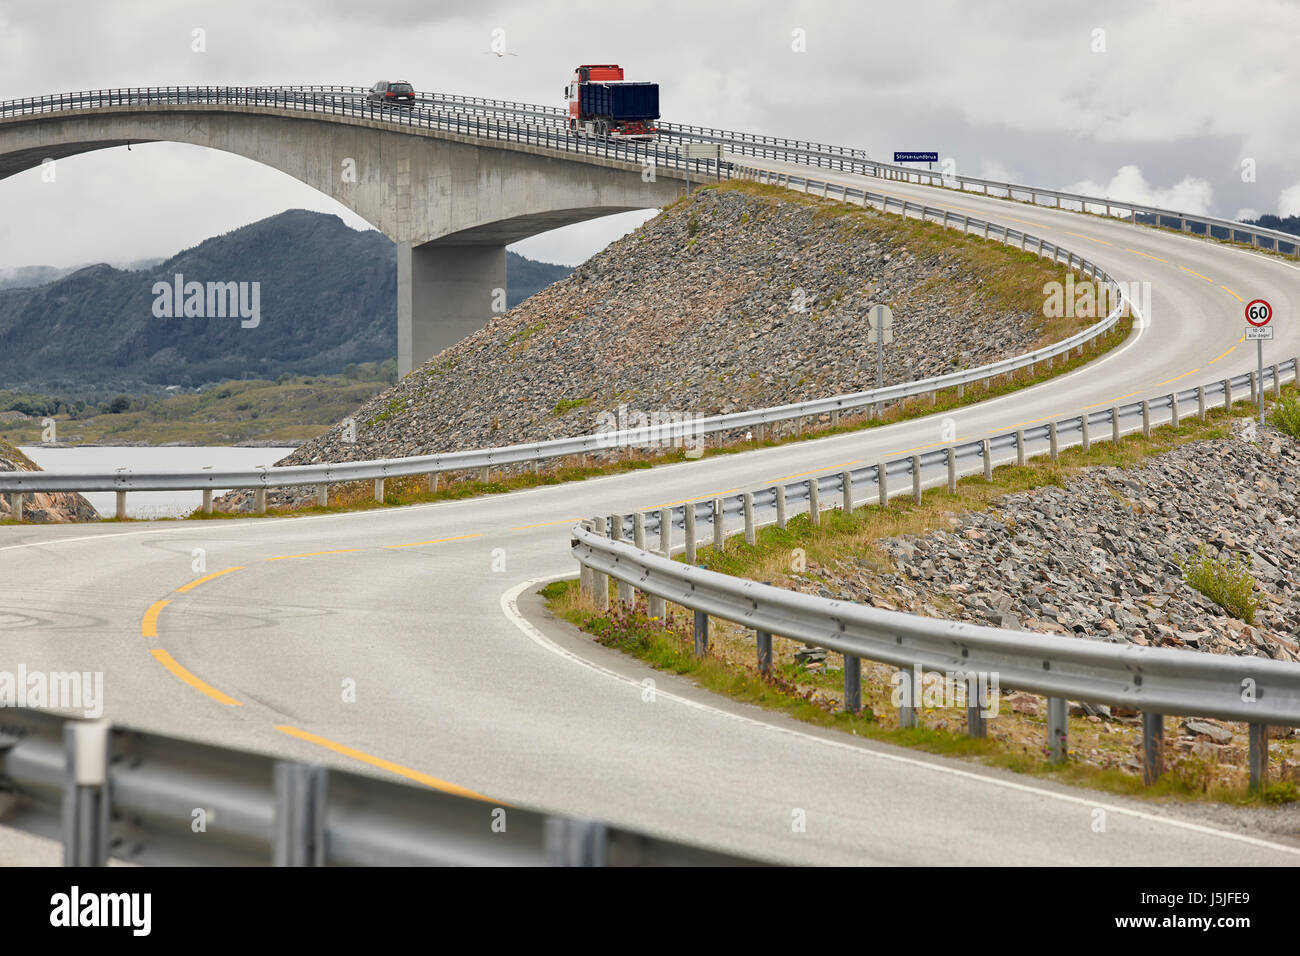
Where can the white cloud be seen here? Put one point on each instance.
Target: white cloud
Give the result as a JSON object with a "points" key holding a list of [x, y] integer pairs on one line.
{"points": [[1191, 194], [1288, 203], [1246, 214]]}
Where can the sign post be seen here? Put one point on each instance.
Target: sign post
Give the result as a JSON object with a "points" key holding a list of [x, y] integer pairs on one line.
{"points": [[1258, 316], [705, 151], [880, 323]]}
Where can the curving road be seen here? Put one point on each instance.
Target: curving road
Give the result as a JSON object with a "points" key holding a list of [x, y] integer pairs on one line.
{"points": [[455, 688]]}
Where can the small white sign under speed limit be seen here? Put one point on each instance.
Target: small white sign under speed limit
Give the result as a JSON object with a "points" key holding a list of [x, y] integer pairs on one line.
{"points": [[1259, 335]]}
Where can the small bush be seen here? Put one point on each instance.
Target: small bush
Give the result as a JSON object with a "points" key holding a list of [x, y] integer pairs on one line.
{"points": [[1226, 581], [1286, 416]]}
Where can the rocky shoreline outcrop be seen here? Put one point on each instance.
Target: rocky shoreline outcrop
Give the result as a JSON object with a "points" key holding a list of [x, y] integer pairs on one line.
{"points": [[42, 508]]}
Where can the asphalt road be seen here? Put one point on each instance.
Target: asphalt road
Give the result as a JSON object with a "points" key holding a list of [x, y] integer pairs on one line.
{"points": [[455, 688]]}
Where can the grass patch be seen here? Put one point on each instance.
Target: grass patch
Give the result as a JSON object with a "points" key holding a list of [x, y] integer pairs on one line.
{"points": [[1286, 416], [1226, 581]]}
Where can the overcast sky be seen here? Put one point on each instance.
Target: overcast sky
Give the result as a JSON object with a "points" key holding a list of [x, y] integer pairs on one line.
{"points": [[1160, 102]]}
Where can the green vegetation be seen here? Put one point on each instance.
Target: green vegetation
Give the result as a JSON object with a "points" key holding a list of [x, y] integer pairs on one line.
{"points": [[1286, 416], [1226, 581], [566, 405]]}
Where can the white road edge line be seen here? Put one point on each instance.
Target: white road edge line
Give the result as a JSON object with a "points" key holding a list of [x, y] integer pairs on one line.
{"points": [[510, 607]]}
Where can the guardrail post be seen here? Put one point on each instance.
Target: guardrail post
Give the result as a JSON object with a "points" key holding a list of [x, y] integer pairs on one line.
{"points": [[1200, 402], [1277, 382], [298, 825], [1254, 387], [1227, 394], [976, 702], [666, 532], [909, 692], [85, 793], [207, 501], [814, 504], [626, 595], [379, 490], [780, 506], [16, 505], [986, 450], [1173, 409], [747, 502], [852, 684], [701, 634], [719, 521], [1258, 734], [1114, 424], [1020, 447], [835, 418], [764, 651], [846, 492], [1053, 441], [1085, 442], [259, 501], [1153, 735], [961, 390], [688, 522], [952, 469], [638, 530], [1058, 728], [584, 572], [575, 842], [120, 510]]}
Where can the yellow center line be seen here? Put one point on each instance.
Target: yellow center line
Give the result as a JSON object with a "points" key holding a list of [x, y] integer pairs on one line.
{"points": [[383, 764], [683, 501], [1178, 378], [149, 623], [1195, 273], [193, 584], [1231, 293], [1216, 358], [313, 554], [1147, 254], [1112, 401], [170, 663], [816, 471], [1089, 238], [416, 544], [546, 524]]}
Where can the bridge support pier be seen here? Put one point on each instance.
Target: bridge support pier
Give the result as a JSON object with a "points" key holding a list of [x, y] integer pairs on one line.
{"points": [[444, 292]]}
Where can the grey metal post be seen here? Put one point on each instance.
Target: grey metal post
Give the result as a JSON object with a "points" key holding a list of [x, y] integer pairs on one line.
{"points": [[572, 842], [599, 582], [120, 512], [987, 451], [701, 633], [846, 492], [852, 683], [16, 505], [719, 533], [1257, 378], [1153, 735], [1086, 441], [1114, 424], [638, 529], [207, 501], [780, 506], [379, 489], [909, 692], [764, 651], [916, 479], [1053, 444], [322, 495], [747, 503], [1277, 382], [1173, 409], [1227, 394], [976, 701], [298, 823], [433, 478], [1058, 728], [1020, 447], [882, 483], [1200, 402], [814, 505], [688, 520], [626, 596], [1258, 734], [259, 501], [1255, 390], [85, 793], [666, 532], [584, 572]]}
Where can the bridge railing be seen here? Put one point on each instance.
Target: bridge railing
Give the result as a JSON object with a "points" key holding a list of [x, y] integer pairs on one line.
{"points": [[18, 483], [114, 792], [1155, 681], [545, 123]]}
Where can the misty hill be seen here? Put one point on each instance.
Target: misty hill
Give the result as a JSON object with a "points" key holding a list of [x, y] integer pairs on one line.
{"points": [[328, 299], [1289, 224]]}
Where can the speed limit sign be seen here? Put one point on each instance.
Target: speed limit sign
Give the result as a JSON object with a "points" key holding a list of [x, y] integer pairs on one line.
{"points": [[1259, 313]]}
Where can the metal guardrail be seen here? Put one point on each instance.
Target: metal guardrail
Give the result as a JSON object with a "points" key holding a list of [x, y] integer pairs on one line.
{"points": [[1156, 681], [106, 791], [17, 483]]}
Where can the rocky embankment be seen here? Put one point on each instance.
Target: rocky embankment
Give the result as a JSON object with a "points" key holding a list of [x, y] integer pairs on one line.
{"points": [[1099, 558], [42, 508], [736, 299]]}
